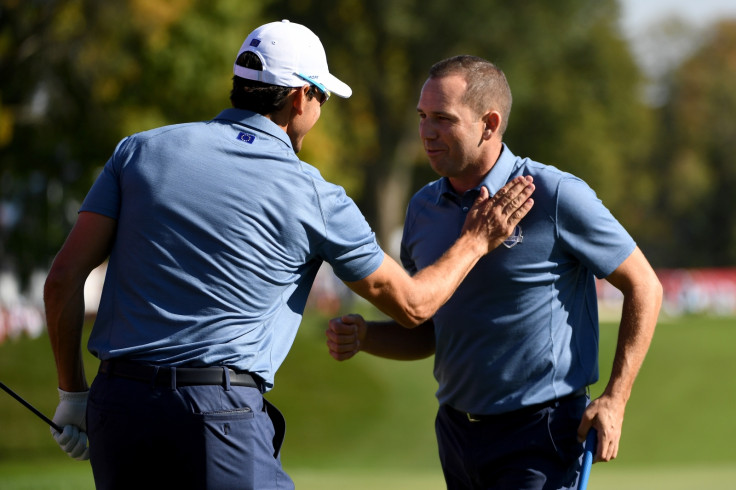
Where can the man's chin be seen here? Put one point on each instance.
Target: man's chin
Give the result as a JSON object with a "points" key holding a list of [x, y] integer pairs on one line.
{"points": [[438, 168]]}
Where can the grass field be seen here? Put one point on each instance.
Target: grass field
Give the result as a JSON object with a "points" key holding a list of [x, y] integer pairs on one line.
{"points": [[368, 423]]}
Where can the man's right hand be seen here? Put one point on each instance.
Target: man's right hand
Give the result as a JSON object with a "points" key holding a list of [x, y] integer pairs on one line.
{"points": [[71, 414], [492, 220], [344, 336]]}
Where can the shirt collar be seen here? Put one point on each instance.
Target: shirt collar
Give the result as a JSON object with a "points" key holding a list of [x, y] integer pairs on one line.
{"points": [[500, 172], [255, 121], [496, 178]]}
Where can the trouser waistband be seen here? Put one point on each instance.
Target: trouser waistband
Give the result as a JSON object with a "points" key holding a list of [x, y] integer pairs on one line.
{"points": [[180, 376], [524, 410]]}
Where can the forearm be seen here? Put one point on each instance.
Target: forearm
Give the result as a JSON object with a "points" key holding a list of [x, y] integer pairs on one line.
{"points": [[642, 300], [65, 318], [639, 314], [412, 300], [86, 247], [390, 340], [434, 285], [431, 287], [638, 322]]}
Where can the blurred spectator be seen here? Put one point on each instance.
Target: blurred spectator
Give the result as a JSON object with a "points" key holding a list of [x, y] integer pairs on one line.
{"points": [[686, 292]]}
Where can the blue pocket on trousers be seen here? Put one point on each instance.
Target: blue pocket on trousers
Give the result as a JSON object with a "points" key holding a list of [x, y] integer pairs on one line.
{"points": [[239, 449]]}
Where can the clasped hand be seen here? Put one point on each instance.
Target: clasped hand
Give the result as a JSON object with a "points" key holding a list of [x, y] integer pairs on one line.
{"points": [[71, 414]]}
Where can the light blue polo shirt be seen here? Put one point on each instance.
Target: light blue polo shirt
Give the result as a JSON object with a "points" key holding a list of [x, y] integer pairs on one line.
{"points": [[221, 231], [523, 326]]}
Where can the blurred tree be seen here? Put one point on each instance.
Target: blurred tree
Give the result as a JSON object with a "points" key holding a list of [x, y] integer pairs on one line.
{"points": [[575, 85], [695, 157], [79, 75]]}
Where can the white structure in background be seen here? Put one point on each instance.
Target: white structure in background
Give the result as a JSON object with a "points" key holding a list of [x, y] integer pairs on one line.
{"points": [[93, 290], [20, 314]]}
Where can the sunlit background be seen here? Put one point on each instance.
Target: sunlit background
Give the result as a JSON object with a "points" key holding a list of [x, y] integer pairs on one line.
{"points": [[634, 96]]}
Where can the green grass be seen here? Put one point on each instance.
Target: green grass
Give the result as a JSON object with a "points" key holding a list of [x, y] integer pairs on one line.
{"points": [[368, 423], [681, 410]]}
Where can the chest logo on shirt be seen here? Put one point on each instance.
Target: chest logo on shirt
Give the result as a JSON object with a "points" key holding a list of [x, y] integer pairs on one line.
{"points": [[515, 238], [246, 137]]}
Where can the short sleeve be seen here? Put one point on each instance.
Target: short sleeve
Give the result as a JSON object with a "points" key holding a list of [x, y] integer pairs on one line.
{"points": [[588, 230], [104, 195], [350, 247]]}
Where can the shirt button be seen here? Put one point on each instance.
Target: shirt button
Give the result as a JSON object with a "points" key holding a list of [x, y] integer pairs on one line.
{"points": [[465, 209]]}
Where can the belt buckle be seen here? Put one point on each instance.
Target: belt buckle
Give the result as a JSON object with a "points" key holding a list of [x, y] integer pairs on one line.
{"points": [[471, 417]]}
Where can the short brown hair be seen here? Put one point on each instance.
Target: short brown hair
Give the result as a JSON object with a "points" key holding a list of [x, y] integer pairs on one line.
{"points": [[487, 84]]}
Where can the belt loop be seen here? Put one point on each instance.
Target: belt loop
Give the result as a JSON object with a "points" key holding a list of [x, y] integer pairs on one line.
{"points": [[173, 378], [226, 375]]}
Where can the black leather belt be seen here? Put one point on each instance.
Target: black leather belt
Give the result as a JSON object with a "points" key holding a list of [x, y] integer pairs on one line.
{"points": [[525, 410], [180, 376]]}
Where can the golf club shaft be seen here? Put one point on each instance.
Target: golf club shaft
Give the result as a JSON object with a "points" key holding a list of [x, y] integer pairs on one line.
{"points": [[587, 459], [31, 408]]}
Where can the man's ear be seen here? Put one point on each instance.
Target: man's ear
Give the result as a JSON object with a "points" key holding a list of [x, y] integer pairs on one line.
{"points": [[300, 99], [492, 123]]}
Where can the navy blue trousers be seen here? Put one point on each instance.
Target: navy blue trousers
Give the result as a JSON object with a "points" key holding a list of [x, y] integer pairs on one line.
{"points": [[190, 437], [530, 449]]}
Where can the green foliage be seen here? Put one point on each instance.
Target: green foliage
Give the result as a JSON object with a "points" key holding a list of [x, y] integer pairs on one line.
{"points": [[694, 157], [579, 111], [80, 75], [86, 74]]}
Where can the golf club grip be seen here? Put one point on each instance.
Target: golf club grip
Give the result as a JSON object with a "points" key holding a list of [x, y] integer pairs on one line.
{"points": [[31, 408], [588, 455]]}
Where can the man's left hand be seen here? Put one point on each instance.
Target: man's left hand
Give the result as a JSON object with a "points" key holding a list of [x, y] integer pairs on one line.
{"points": [[606, 415]]}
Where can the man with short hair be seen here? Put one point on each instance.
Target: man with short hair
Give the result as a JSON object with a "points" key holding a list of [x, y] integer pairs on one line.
{"points": [[517, 344], [215, 231]]}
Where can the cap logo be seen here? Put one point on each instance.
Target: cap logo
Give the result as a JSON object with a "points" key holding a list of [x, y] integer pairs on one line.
{"points": [[255, 42]]}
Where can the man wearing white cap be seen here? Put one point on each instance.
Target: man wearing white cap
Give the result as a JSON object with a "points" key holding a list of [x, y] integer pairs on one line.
{"points": [[215, 231]]}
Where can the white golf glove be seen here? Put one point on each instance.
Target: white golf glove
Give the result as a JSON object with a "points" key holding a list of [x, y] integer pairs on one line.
{"points": [[71, 414]]}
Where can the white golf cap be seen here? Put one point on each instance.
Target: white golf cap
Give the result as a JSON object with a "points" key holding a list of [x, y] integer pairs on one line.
{"points": [[291, 55]]}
